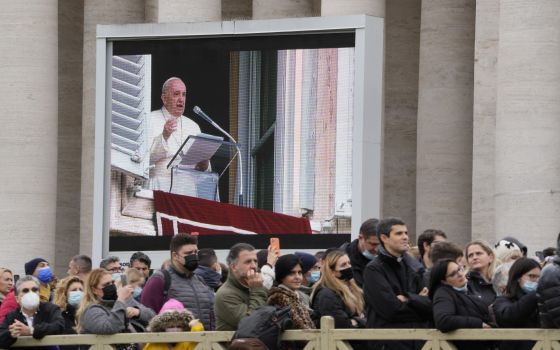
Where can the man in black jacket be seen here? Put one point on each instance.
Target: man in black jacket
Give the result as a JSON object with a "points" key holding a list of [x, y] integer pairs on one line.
{"points": [[34, 318], [363, 249], [394, 293]]}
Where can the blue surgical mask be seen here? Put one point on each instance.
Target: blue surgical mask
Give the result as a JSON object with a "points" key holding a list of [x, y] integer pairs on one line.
{"points": [[74, 297], [368, 255], [529, 286], [136, 293], [314, 277], [462, 289], [45, 275]]}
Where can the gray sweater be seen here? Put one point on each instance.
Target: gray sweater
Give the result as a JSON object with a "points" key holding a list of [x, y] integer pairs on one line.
{"points": [[100, 319]]}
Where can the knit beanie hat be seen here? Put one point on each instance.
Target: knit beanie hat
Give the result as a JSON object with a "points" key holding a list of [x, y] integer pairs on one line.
{"points": [[284, 265], [505, 249], [31, 265], [307, 261], [171, 305]]}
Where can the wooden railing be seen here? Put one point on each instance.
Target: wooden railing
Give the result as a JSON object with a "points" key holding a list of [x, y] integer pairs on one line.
{"points": [[325, 338]]}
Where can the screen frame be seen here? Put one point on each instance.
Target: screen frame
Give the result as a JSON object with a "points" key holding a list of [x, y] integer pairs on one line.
{"points": [[367, 144]]}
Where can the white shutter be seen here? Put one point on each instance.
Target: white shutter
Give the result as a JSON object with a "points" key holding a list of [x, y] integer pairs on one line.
{"points": [[131, 89]]}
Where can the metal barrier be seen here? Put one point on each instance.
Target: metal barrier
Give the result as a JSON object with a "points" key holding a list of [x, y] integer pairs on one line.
{"points": [[325, 338]]}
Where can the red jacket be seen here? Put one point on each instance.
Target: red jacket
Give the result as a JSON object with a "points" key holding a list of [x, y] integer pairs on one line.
{"points": [[8, 305]]}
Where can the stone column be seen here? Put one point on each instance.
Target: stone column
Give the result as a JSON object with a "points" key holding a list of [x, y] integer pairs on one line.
{"points": [[445, 99], [266, 9], [29, 110], [353, 7], [402, 45], [165, 11], [96, 12], [527, 195], [70, 78], [484, 118]]}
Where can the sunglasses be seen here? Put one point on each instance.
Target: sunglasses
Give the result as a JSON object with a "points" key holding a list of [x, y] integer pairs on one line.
{"points": [[27, 290]]}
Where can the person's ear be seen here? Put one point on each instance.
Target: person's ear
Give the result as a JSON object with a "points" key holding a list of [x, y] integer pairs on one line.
{"points": [[384, 238]]}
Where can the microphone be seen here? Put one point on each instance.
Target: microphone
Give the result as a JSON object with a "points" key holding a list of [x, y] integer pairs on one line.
{"points": [[198, 111]]}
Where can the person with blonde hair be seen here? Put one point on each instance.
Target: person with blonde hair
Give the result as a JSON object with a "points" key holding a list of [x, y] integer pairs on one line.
{"points": [[134, 278], [482, 263], [6, 283], [68, 295], [107, 310], [336, 293]]}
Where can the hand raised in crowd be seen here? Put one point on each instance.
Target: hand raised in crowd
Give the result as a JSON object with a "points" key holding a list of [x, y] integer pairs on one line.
{"points": [[254, 279], [424, 292], [124, 293], [132, 312], [169, 128], [272, 256], [18, 329], [485, 325]]}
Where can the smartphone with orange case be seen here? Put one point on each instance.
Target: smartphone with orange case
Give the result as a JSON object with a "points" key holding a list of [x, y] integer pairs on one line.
{"points": [[275, 243]]}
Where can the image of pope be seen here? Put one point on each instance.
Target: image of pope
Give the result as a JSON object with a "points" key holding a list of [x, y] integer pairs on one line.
{"points": [[169, 128]]}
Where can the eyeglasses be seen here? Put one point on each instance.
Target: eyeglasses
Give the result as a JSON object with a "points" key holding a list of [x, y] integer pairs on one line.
{"points": [[27, 290], [456, 272]]}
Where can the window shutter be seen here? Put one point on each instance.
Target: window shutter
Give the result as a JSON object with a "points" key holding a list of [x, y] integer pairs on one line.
{"points": [[131, 89]]}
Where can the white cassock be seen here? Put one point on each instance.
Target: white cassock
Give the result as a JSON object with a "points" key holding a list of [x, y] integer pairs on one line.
{"points": [[161, 150]]}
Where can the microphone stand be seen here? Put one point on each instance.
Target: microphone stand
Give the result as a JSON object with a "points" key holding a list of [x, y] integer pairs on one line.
{"points": [[198, 111]]}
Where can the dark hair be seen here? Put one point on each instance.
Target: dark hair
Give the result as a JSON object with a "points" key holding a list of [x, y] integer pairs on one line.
{"points": [[445, 250], [386, 225], [262, 256], [236, 250], [428, 236], [520, 267], [142, 257], [108, 260], [284, 265], [369, 228], [83, 262], [550, 251], [437, 275], [207, 257], [180, 240], [320, 255]]}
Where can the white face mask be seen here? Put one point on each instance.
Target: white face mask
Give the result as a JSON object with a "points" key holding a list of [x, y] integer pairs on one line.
{"points": [[30, 301]]}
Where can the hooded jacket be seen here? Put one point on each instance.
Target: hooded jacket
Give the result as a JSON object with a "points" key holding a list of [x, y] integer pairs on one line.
{"points": [[548, 293]]}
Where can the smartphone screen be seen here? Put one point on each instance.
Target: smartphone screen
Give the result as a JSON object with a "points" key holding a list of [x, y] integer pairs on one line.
{"points": [[275, 243], [124, 280]]}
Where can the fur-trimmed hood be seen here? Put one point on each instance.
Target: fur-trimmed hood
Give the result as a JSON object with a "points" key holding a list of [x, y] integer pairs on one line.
{"points": [[171, 319]]}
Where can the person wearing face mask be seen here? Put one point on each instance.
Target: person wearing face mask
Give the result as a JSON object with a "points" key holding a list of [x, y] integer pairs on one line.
{"points": [[394, 291], [336, 293], [308, 263], [40, 269], [518, 308], [181, 283], [454, 307], [106, 309], [135, 279], [33, 318], [69, 293], [363, 249]]}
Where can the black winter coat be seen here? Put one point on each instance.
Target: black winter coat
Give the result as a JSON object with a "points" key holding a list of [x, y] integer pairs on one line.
{"points": [[548, 294], [454, 310], [327, 302], [477, 286], [517, 312], [385, 277], [48, 321], [358, 261]]}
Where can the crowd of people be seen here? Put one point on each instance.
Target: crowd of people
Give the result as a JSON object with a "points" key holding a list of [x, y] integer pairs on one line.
{"points": [[376, 281]]}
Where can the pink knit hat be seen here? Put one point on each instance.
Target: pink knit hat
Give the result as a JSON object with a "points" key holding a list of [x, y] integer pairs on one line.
{"points": [[171, 305]]}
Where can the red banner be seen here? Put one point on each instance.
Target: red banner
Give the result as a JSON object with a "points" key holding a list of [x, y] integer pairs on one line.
{"points": [[176, 213]]}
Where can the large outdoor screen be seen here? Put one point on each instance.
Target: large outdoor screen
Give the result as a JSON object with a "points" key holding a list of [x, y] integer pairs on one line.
{"points": [[230, 136]]}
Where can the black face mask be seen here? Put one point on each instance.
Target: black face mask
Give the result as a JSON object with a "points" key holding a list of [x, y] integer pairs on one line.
{"points": [[191, 262], [346, 274], [110, 292]]}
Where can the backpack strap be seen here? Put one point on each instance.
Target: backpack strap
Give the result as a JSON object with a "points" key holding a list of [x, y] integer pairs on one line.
{"points": [[167, 284]]}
